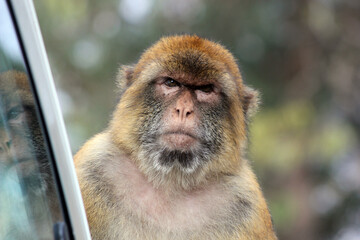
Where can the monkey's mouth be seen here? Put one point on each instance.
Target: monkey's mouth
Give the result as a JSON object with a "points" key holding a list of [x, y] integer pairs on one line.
{"points": [[179, 139], [23, 166]]}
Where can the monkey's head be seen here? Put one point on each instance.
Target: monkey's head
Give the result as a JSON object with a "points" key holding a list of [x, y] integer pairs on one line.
{"points": [[183, 111], [21, 142]]}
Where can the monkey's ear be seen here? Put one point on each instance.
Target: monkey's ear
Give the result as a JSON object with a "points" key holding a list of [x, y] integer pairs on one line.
{"points": [[251, 101], [124, 77]]}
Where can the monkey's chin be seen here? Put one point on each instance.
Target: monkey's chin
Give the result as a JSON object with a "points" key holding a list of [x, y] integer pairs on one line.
{"points": [[179, 141], [25, 167], [185, 161]]}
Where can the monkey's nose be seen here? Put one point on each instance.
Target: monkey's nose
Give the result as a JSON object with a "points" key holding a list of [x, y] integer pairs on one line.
{"points": [[184, 106], [183, 112], [5, 145]]}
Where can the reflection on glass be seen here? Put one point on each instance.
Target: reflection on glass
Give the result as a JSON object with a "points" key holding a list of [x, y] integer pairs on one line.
{"points": [[29, 205]]}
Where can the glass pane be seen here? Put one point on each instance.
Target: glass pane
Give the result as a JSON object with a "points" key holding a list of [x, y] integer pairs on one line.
{"points": [[29, 203]]}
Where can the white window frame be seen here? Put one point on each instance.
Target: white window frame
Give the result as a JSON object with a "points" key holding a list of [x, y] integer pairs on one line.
{"points": [[29, 30]]}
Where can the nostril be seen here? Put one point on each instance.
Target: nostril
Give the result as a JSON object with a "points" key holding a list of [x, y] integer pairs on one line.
{"points": [[187, 114], [8, 143]]}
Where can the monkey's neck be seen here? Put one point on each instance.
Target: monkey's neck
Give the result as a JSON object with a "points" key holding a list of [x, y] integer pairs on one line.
{"points": [[164, 205], [131, 170]]}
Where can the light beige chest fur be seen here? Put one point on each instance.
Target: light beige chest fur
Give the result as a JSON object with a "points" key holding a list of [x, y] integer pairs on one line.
{"points": [[121, 204], [150, 213]]}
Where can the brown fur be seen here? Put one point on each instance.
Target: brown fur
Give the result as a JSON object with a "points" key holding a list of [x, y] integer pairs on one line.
{"points": [[126, 197]]}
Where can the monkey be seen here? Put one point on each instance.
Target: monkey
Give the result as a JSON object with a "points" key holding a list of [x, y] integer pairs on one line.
{"points": [[24, 164], [171, 163]]}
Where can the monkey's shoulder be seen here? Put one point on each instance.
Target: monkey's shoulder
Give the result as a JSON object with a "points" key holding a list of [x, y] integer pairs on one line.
{"points": [[94, 149]]}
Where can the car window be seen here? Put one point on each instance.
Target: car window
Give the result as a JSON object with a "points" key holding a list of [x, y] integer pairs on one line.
{"points": [[29, 202]]}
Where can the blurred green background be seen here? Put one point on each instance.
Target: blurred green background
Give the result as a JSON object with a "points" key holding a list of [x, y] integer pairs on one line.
{"points": [[303, 56]]}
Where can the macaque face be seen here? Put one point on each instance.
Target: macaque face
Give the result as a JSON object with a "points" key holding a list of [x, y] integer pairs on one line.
{"points": [[21, 142], [184, 128], [182, 110], [182, 118]]}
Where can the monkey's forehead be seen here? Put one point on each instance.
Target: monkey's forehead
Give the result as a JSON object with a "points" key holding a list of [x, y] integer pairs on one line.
{"points": [[190, 54], [12, 80], [14, 87], [193, 63]]}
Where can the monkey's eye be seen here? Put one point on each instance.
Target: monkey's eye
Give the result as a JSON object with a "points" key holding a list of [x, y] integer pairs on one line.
{"points": [[206, 88], [171, 82], [14, 112]]}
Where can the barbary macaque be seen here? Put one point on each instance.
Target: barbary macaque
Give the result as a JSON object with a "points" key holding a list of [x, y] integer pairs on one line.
{"points": [[171, 164], [27, 190]]}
